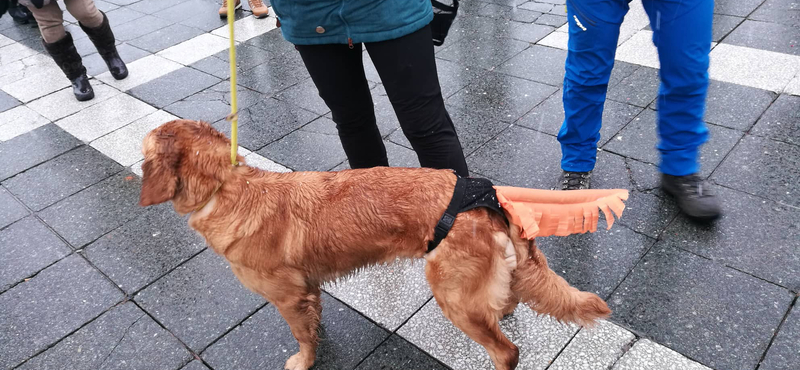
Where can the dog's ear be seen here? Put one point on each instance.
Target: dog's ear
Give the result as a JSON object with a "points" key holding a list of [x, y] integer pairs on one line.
{"points": [[160, 169]]}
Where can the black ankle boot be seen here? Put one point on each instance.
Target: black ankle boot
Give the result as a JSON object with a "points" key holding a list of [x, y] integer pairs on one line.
{"points": [[103, 39], [67, 58]]}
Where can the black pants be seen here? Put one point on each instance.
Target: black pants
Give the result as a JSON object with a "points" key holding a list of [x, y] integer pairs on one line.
{"points": [[408, 71]]}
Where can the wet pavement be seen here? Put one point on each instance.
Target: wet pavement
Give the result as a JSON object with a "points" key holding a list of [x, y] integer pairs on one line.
{"points": [[90, 280]]}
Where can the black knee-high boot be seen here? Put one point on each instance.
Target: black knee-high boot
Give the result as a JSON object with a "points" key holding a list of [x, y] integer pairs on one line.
{"points": [[103, 39], [67, 58]]}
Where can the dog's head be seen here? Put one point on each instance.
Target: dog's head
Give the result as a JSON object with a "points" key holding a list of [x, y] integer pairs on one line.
{"points": [[184, 161]]}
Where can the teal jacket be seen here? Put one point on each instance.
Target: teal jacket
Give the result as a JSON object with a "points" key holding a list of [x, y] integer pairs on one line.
{"points": [[314, 22]]}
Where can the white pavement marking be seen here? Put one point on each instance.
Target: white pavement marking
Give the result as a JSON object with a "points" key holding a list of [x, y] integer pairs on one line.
{"points": [[595, 348], [256, 160], [635, 21], [62, 103], [762, 69], [19, 120], [141, 71], [794, 86], [14, 52], [102, 118], [47, 79], [17, 70], [639, 49], [539, 338], [125, 145], [5, 41], [195, 49], [248, 27], [651, 356]]}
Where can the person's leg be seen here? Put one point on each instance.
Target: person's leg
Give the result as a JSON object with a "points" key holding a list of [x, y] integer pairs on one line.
{"points": [[338, 73], [51, 21], [682, 34], [96, 25], [408, 71], [593, 35]]}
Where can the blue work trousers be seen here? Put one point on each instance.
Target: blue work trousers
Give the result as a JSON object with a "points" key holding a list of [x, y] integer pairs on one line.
{"points": [[682, 34]]}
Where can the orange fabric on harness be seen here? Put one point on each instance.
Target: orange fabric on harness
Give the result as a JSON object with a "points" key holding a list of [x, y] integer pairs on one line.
{"points": [[557, 212]]}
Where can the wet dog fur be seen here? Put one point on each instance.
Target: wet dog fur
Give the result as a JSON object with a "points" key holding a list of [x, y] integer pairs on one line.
{"points": [[285, 234]]}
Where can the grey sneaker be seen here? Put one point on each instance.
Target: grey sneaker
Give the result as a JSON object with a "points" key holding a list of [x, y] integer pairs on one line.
{"points": [[693, 195], [574, 181]]}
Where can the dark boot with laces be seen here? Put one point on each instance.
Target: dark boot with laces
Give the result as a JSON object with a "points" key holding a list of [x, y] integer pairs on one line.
{"points": [[693, 195], [575, 181]]}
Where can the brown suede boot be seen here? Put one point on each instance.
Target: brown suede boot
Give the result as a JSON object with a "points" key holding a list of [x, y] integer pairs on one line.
{"points": [[258, 8], [223, 10]]}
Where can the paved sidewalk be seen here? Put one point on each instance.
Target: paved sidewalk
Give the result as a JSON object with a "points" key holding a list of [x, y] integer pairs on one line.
{"points": [[89, 280]]}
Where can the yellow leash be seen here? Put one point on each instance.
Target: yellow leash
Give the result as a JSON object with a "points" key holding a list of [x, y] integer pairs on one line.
{"points": [[234, 116]]}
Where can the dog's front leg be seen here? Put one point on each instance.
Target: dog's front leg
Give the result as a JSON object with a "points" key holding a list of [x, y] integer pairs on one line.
{"points": [[302, 309]]}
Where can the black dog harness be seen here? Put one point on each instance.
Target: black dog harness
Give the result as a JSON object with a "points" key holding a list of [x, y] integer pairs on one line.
{"points": [[468, 194]]}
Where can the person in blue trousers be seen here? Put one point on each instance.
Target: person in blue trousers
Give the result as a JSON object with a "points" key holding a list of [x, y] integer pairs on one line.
{"points": [[682, 34]]}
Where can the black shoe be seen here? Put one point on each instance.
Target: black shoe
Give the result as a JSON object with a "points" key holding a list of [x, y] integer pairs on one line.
{"points": [[67, 58], [21, 14], [103, 39], [693, 195], [574, 181]]}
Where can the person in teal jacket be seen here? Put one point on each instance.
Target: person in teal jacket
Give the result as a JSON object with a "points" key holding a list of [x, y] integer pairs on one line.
{"points": [[330, 36]]}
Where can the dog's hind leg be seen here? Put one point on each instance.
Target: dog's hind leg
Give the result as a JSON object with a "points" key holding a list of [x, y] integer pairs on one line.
{"points": [[473, 294]]}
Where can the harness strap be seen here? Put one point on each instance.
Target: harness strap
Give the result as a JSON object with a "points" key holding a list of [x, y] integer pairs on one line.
{"points": [[449, 216]]}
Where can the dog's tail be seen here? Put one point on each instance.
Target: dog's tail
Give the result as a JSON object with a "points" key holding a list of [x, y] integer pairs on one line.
{"points": [[536, 285]]}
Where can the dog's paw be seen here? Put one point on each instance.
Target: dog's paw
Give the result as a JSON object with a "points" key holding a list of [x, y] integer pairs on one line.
{"points": [[298, 362]]}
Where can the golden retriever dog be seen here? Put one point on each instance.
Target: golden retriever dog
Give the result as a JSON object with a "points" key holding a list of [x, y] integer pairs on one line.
{"points": [[285, 234]]}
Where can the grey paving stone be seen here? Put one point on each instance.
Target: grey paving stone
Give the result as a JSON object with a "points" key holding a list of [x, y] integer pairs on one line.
{"points": [[648, 213], [399, 156], [264, 341], [247, 56], [95, 65], [304, 150], [213, 103], [215, 67], [781, 121], [187, 9], [763, 167], [209, 20], [397, 354], [528, 32], [482, 51], [723, 25], [200, 300], [61, 177], [304, 95], [96, 210], [34, 147], [25, 248], [739, 8], [784, 352], [595, 262], [520, 157], [453, 76], [538, 63], [274, 43], [384, 111], [165, 37], [273, 76], [146, 248], [503, 97], [7, 101], [508, 12], [548, 117], [473, 128], [716, 315], [621, 71], [652, 356], [143, 26], [173, 86], [764, 246], [594, 348], [542, 7], [767, 36], [267, 121], [122, 15], [640, 88], [153, 6], [10, 209], [122, 338], [58, 300], [552, 20], [779, 11], [639, 138], [736, 106], [195, 365]]}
